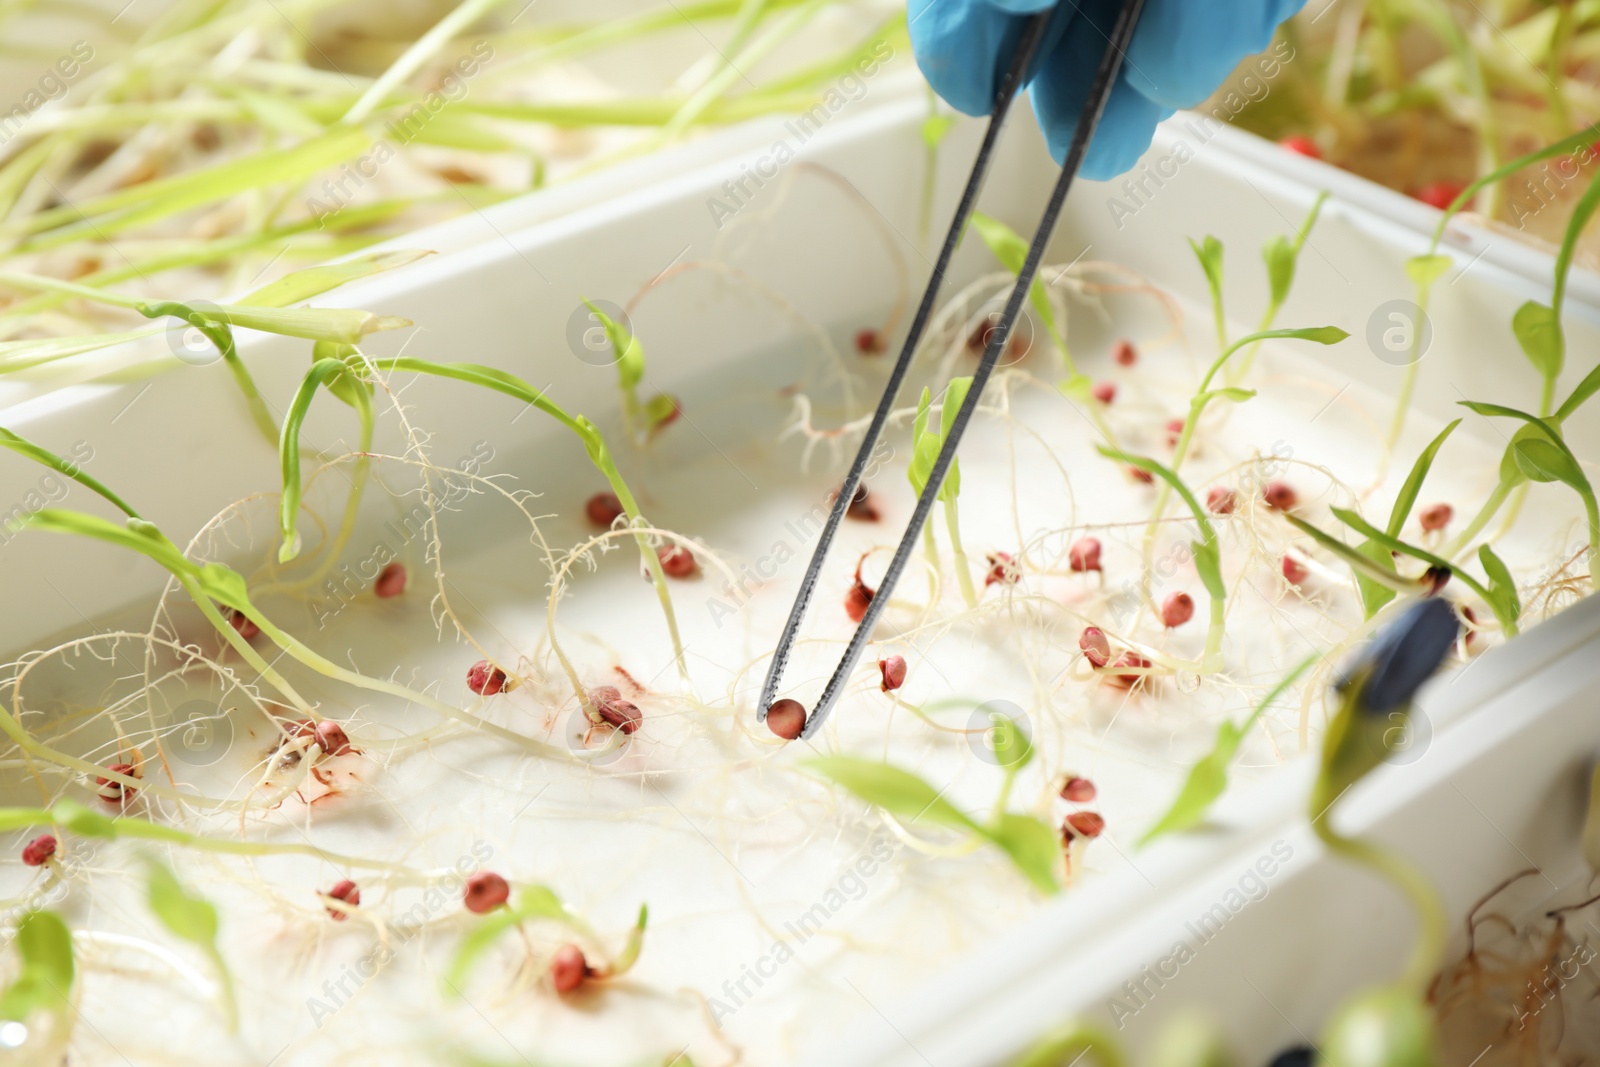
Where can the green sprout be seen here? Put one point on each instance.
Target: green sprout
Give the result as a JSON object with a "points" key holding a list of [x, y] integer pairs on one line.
{"points": [[193, 919], [1029, 843], [654, 413], [1068, 1045], [1209, 253], [1282, 258], [1374, 595], [926, 445], [535, 902], [1206, 552], [43, 982], [1011, 250], [488, 378], [1208, 778]]}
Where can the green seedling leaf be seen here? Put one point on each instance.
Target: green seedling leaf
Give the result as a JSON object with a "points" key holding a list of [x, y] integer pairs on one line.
{"points": [[1374, 595], [935, 127], [1079, 387], [535, 902], [353, 388], [43, 456], [1586, 388], [1538, 331], [193, 919], [1208, 779], [1032, 846], [450, 129], [1209, 253], [330, 372], [44, 982], [1280, 256], [1012, 251], [314, 281], [1502, 587], [1541, 461], [915, 473], [343, 325], [660, 410], [1365, 528], [83, 820], [955, 394], [900, 793], [1413, 483], [1237, 395], [1012, 748], [630, 950], [1067, 1045], [1357, 561], [630, 353], [22, 818], [1424, 271]]}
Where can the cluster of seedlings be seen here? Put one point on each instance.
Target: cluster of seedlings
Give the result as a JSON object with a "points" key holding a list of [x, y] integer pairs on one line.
{"points": [[1234, 531]]}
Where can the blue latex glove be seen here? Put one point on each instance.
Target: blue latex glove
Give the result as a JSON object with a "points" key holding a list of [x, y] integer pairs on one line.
{"points": [[1181, 52]]}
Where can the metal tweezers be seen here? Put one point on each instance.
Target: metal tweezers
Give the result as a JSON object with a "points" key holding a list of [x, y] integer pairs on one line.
{"points": [[1094, 106]]}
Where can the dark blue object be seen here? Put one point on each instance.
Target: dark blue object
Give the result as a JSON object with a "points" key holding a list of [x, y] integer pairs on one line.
{"points": [[1405, 654], [1295, 1056]]}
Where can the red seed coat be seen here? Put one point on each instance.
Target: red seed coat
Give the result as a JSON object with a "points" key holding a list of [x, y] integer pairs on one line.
{"points": [[568, 968], [786, 718], [485, 679], [893, 670], [485, 891], [391, 581]]}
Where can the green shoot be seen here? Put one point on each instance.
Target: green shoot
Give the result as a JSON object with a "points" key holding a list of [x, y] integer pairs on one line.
{"points": [[499, 381], [535, 902], [1545, 457], [43, 984], [925, 453], [1374, 595], [1011, 250], [660, 408], [1207, 553], [1282, 258], [193, 919], [1068, 1045], [1031, 845], [917, 470], [43, 456], [1209, 253], [934, 130], [1208, 778]]}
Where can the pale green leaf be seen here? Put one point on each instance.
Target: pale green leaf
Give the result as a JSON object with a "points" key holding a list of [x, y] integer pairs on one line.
{"points": [[900, 793], [44, 982], [1032, 846], [314, 281], [1538, 331]]}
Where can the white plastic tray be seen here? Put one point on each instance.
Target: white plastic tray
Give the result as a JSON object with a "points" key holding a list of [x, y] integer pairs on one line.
{"points": [[179, 445]]}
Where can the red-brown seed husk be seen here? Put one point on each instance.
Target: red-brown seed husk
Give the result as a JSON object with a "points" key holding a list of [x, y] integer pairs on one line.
{"points": [[485, 679], [390, 582], [677, 561], [1003, 570], [1436, 516], [893, 671], [1294, 571], [1174, 431], [603, 509], [39, 850], [1084, 555], [568, 968], [1125, 354], [1221, 500], [856, 601], [870, 342], [1096, 648], [241, 622], [1084, 824], [786, 718], [1176, 610], [622, 714], [1078, 790], [861, 506], [1280, 496], [1129, 659], [1140, 475], [346, 891], [485, 891], [331, 738], [115, 793], [1105, 392]]}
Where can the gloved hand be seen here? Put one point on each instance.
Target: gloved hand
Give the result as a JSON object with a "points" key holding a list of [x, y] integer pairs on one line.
{"points": [[1181, 52]]}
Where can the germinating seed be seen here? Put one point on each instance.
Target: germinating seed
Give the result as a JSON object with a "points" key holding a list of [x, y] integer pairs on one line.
{"points": [[1294, 571], [1280, 496], [870, 342], [485, 679], [1221, 500], [36, 852], [603, 509], [485, 891], [677, 561], [1084, 824], [893, 670], [1125, 354], [861, 506], [332, 739], [568, 968], [1176, 610], [1139, 474], [1096, 649], [347, 892], [1174, 431], [786, 718], [1078, 790], [1130, 659], [1084, 555], [241, 622], [391, 581], [1436, 516], [1003, 570], [115, 793], [856, 600], [622, 714], [1105, 392]]}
